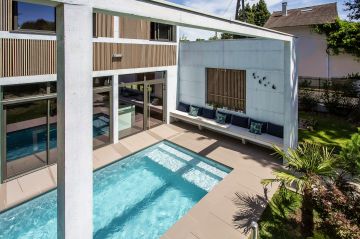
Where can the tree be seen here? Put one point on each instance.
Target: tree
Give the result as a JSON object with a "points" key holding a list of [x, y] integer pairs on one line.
{"points": [[249, 14], [304, 165], [354, 7], [261, 13]]}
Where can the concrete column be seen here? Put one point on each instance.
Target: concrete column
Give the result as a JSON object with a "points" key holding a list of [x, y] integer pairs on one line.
{"points": [[115, 109], [74, 128], [291, 96]]}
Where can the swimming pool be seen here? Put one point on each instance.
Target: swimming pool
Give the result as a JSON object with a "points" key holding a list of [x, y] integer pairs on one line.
{"points": [[141, 196]]}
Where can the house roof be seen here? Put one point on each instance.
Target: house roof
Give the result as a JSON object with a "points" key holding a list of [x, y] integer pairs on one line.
{"points": [[319, 14]]}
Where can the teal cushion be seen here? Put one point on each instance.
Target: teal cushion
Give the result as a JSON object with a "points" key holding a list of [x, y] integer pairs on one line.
{"points": [[193, 111], [255, 128], [220, 118]]}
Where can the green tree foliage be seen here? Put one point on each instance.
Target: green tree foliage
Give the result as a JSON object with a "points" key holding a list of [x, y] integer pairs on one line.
{"points": [[354, 7], [249, 14], [350, 156], [304, 164], [261, 13], [341, 36]]}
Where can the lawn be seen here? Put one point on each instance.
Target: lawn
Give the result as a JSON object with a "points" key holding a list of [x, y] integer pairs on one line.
{"points": [[330, 130]]}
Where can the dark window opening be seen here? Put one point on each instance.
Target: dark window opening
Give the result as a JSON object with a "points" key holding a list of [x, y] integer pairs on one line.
{"points": [[162, 32], [34, 17]]}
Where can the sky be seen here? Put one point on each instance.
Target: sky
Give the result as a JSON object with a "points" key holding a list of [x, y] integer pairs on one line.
{"points": [[226, 8]]}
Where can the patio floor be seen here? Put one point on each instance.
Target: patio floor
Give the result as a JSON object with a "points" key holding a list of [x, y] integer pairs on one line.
{"points": [[225, 212]]}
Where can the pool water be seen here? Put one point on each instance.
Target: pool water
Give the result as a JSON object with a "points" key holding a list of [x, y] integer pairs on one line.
{"points": [[141, 196], [21, 143]]}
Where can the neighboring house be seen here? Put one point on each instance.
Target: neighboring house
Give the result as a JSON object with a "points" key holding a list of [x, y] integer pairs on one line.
{"points": [[313, 60]]}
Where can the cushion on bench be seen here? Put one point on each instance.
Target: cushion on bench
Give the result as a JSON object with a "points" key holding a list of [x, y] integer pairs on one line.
{"points": [[275, 130], [264, 125], [228, 117], [240, 121], [207, 113], [183, 107]]}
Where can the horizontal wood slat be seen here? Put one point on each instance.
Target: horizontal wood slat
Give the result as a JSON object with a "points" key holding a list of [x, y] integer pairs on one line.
{"points": [[134, 28], [23, 57], [5, 15], [103, 25], [134, 56], [226, 88]]}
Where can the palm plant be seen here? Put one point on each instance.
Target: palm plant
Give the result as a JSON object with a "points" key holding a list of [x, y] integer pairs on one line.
{"points": [[304, 164]]}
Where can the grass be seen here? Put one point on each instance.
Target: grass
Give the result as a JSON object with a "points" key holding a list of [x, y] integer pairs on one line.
{"points": [[281, 218], [331, 131]]}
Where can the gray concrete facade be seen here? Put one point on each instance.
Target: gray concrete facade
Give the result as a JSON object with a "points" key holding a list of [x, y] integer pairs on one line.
{"points": [[74, 127]]}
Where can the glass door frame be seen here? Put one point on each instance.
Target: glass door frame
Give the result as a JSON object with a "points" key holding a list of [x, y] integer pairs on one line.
{"points": [[106, 89], [16, 101]]}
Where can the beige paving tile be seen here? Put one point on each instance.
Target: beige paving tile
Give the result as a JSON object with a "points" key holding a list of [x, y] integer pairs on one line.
{"points": [[37, 182], [10, 194], [164, 131], [121, 149], [105, 155], [138, 141]]}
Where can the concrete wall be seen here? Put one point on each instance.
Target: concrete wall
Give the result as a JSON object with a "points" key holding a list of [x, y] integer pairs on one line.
{"points": [[262, 57], [313, 60]]}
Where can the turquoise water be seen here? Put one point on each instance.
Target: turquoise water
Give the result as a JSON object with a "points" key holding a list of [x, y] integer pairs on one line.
{"points": [[141, 196]]}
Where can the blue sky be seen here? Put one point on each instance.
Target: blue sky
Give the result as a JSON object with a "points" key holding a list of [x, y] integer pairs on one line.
{"points": [[226, 8]]}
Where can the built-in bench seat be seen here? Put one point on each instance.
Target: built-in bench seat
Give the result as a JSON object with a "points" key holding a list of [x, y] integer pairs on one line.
{"points": [[264, 139]]}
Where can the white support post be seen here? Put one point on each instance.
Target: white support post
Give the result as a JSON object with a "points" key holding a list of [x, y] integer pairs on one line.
{"points": [[291, 96], [115, 109], [74, 105], [116, 27]]}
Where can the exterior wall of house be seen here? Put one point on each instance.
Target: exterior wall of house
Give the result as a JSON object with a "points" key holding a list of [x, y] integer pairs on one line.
{"points": [[264, 58], [313, 60]]}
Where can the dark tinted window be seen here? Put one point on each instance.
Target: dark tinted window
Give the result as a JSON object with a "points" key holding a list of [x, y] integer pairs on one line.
{"points": [[162, 32], [101, 81], [16, 91], [28, 16]]}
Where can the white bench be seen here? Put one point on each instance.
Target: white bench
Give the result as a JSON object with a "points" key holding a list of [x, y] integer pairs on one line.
{"points": [[228, 129]]}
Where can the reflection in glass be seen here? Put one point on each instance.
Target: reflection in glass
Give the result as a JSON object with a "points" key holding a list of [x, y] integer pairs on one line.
{"points": [[28, 16], [131, 108], [16, 91], [155, 104], [52, 131], [101, 81], [101, 119], [26, 137]]}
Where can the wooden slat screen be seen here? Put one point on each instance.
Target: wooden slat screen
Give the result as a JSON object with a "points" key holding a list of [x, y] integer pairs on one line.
{"points": [[226, 88], [5, 15], [103, 25], [22, 57], [133, 28], [134, 56]]}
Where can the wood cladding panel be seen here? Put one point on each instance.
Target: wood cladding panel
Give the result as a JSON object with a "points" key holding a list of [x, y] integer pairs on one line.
{"points": [[5, 15], [226, 88], [134, 28], [103, 25], [134, 56], [22, 57]]}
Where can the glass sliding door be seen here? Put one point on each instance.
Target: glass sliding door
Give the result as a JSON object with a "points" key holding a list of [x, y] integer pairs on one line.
{"points": [[131, 109], [155, 104], [141, 102], [101, 112]]}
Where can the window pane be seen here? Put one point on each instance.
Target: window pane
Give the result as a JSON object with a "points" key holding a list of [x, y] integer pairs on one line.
{"points": [[34, 17], [164, 32], [16, 91], [101, 81], [53, 131], [131, 78], [101, 119], [26, 137]]}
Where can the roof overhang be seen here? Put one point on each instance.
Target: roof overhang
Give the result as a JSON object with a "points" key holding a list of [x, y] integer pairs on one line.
{"points": [[175, 14]]}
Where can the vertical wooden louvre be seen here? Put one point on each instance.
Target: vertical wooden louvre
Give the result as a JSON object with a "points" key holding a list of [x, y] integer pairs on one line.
{"points": [[103, 25], [5, 15], [134, 28], [226, 88], [133, 56], [24, 57]]}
